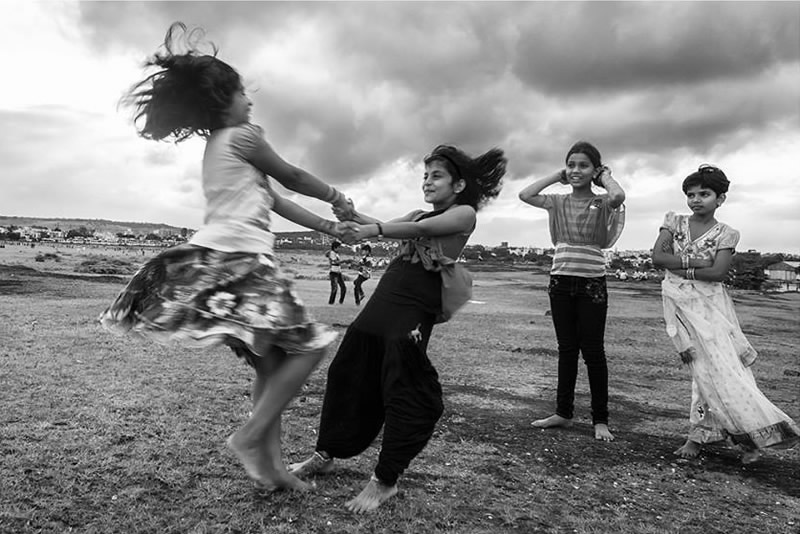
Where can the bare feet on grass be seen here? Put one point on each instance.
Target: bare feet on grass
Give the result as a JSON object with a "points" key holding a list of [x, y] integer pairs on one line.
{"points": [[268, 473], [602, 432], [373, 495], [554, 421], [315, 464], [688, 450]]}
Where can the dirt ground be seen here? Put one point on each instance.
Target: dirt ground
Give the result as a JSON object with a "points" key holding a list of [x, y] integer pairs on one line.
{"points": [[107, 434]]}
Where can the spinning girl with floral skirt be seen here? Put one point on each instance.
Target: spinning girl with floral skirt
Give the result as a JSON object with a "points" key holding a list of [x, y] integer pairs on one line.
{"points": [[225, 285]]}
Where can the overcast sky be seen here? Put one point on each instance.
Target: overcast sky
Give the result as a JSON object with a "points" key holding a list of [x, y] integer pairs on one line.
{"points": [[358, 93]]}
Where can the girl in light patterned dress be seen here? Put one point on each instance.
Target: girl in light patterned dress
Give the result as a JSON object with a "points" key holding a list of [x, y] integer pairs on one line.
{"points": [[696, 252], [225, 285]]}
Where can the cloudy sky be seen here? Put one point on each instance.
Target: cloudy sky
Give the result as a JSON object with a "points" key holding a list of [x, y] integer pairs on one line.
{"points": [[358, 93]]}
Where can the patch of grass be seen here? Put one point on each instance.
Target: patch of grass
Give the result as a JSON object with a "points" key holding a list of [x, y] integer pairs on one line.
{"points": [[105, 434], [47, 256], [99, 264]]}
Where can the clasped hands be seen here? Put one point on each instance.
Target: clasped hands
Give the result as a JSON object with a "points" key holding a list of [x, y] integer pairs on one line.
{"points": [[347, 230]]}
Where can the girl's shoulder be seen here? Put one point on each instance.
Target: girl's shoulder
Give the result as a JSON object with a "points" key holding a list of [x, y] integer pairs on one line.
{"points": [[673, 221], [243, 137], [728, 236]]}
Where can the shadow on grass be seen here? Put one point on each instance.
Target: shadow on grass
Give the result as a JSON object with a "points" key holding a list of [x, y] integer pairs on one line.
{"points": [[564, 451]]}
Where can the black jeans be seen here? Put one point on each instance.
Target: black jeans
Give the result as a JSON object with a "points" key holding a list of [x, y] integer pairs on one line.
{"points": [[358, 292], [337, 281], [579, 307]]}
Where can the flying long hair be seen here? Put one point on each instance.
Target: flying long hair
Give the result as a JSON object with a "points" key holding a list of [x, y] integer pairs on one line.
{"points": [[482, 175], [191, 94]]}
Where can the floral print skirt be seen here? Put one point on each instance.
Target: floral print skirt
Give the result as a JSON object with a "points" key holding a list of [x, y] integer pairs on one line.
{"points": [[199, 297]]}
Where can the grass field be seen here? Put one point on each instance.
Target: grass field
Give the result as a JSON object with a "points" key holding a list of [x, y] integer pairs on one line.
{"points": [[105, 434]]}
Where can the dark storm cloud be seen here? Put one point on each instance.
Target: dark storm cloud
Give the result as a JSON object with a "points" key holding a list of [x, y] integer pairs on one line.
{"points": [[144, 24], [639, 79], [603, 46]]}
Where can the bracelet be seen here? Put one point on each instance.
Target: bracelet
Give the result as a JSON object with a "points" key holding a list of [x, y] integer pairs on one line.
{"points": [[690, 273], [332, 195], [380, 230], [685, 262]]}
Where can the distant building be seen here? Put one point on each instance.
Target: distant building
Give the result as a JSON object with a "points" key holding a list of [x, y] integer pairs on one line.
{"points": [[786, 274]]}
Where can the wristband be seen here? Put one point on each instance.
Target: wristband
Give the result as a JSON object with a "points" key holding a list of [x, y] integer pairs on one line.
{"points": [[332, 195], [380, 230], [685, 262], [690, 273]]}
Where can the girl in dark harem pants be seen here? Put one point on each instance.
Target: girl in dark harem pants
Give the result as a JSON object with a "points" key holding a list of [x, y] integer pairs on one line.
{"points": [[381, 375]]}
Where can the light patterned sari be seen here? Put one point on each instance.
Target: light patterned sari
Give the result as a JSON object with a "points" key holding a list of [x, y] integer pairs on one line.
{"points": [[702, 324]]}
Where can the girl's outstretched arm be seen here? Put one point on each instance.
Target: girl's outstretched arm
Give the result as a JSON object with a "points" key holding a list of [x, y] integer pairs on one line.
{"points": [[299, 215], [531, 194], [361, 218], [265, 159], [454, 220]]}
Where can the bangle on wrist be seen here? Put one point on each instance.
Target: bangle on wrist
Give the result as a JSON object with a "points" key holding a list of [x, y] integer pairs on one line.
{"points": [[380, 230], [332, 196], [690, 273], [685, 262]]}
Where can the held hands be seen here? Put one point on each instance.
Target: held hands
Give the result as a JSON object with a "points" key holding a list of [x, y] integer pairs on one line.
{"points": [[350, 234], [346, 231], [354, 232], [344, 210]]}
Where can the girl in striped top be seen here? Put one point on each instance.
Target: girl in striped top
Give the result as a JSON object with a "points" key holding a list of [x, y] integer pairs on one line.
{"points": [[582, 224]]}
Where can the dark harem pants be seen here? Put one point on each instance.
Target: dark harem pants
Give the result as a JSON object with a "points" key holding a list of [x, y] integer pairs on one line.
{"points": [[381, 375]]}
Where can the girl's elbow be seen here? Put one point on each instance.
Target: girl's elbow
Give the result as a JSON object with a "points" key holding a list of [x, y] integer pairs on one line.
{"points": [[293, 179], [719, 277], [658, 260]]}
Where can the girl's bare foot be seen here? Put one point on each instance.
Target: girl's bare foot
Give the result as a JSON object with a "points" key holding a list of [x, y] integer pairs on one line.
{"points": [[268, 475], [553, 421], [372, 496], [751, 456], [690, 449], [253, 459], [316, 463], [282, 481], [601, 431]]}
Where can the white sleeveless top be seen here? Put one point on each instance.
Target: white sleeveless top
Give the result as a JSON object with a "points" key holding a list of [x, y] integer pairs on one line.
{"points": [[238, 195]]}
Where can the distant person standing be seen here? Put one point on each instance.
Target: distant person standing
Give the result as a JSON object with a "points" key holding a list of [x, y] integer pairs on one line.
{"points": [[696, 252], [335, 273], [582, 224], [364, 272], [225, 285]]}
